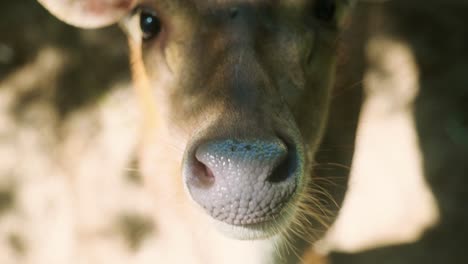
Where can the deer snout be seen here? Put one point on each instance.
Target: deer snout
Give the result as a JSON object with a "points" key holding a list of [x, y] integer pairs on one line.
{"points": [[243, 182]]}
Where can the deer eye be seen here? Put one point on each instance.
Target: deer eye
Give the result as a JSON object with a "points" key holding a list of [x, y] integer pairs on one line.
{"points": [[150, 24], [325, 10]]}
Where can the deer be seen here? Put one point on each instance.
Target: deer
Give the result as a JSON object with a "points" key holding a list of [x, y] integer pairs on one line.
{"points": [[235, 96]]}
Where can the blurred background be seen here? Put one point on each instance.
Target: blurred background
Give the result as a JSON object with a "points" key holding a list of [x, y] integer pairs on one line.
{"points": [[70, 129]]}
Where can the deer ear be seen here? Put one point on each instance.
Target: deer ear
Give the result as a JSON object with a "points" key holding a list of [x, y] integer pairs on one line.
{"points": [[89, 13]]}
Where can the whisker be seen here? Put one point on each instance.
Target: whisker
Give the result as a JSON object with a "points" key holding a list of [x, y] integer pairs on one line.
{"points": [[341, 91]]}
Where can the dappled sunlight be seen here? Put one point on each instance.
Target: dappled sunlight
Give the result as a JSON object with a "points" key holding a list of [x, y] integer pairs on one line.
{"points": [[95, 169], [389, 201]]}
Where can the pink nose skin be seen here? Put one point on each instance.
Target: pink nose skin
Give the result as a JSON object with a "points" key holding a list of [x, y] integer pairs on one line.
{"points": [[243, 182]]}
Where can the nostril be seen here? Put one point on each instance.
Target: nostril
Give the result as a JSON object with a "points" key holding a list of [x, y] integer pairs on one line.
{"points": [[285, 169], [202, 176], [280, 173]]}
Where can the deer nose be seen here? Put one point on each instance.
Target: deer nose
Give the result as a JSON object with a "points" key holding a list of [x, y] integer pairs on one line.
{"points": [[243, 182]]}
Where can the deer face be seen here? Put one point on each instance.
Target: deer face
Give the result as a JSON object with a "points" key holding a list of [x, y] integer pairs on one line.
{"points": [[243, 88]]}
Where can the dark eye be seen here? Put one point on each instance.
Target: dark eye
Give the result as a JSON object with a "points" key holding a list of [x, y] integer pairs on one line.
{"points": [[150, 25], [325, 10]]}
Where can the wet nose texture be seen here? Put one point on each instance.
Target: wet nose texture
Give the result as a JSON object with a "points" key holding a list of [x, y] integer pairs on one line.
{"points": [[243, 182]]}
